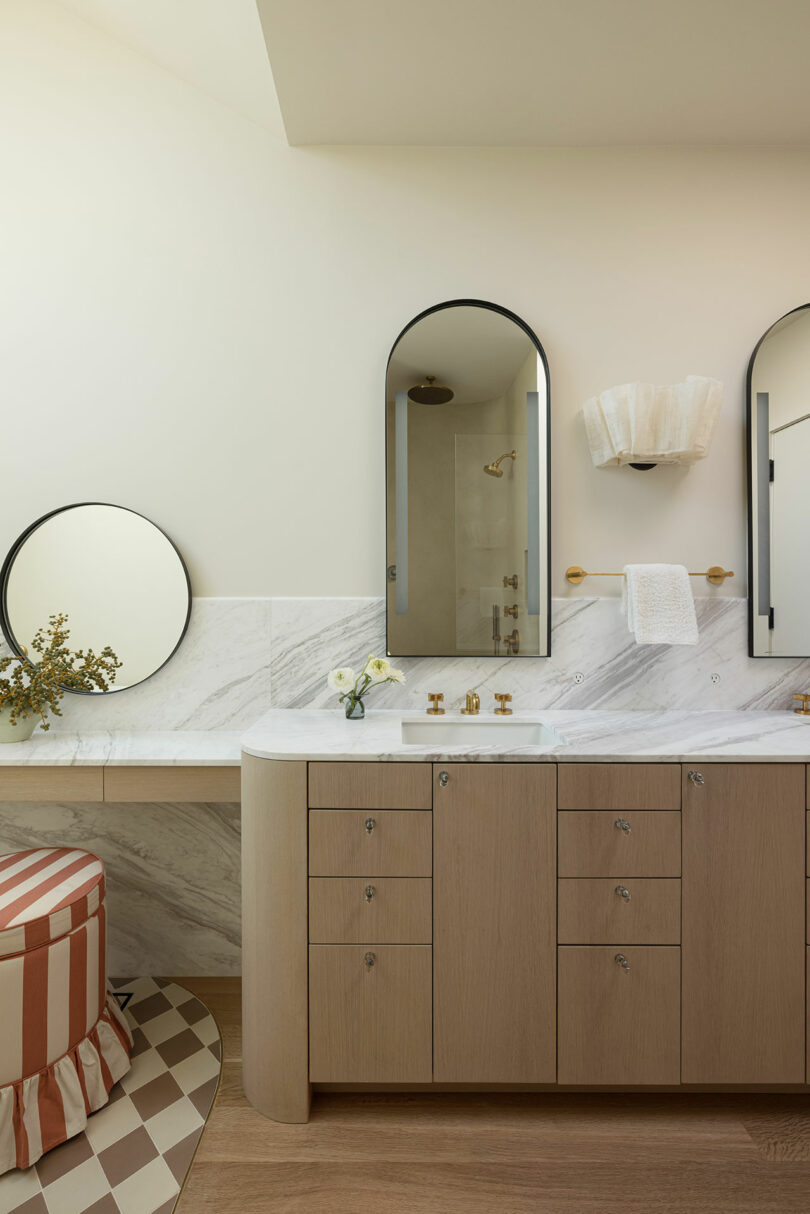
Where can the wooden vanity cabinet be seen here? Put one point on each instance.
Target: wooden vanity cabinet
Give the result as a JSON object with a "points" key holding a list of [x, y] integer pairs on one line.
{"points": [[585, 925]]}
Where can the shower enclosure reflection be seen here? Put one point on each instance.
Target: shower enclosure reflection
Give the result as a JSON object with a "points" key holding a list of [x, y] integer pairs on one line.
{"points": [[467, 433], [779, 458]]}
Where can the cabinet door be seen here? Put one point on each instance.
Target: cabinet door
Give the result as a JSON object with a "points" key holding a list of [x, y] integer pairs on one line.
{"points": [[620, 1015], [743, 923], [494, 923], [369, 1013]]}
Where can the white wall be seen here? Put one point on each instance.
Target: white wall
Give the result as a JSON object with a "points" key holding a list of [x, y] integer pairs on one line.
{"points": [[195, 318]]}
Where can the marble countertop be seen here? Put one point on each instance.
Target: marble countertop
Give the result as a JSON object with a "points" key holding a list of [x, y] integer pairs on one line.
{"points": [[167, 748], [590, 736]]}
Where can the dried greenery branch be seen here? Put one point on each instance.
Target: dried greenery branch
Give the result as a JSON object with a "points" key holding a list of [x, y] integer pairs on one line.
{"points": [[34, 688]]}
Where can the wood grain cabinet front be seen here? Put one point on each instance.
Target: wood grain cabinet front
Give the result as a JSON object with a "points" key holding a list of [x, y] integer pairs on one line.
{"points": [[619, 786], [619, 1015], [391, 910], [743, 923], [494, 930], [628, 910], [619, 844], [369, 786], [385, 842], [370, 1013]]}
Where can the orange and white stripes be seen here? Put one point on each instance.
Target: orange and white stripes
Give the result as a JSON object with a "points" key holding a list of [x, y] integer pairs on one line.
{"points": [[63, 1042], [44, 893]]}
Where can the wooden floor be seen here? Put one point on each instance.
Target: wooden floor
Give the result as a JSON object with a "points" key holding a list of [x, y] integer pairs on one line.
{"points": [[496, 1154]]}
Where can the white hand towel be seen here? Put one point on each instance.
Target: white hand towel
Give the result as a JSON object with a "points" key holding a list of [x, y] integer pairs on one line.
{"points": [[659, 605]]}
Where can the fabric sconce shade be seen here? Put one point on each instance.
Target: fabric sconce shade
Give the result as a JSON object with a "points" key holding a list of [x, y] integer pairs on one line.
{"points": [[649, 424]]}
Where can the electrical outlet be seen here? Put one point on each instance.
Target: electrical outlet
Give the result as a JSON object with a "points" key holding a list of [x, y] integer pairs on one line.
{"points": [[579, 677], [715, 678]]}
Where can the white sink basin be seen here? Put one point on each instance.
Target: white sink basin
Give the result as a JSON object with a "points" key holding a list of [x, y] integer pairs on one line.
{"points": [[472, 731]]}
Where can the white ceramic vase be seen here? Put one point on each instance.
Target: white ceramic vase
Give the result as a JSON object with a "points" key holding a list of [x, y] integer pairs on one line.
{"points": [[20, 732]]}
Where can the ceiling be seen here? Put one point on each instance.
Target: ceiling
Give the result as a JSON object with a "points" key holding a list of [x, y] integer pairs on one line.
{"points": [[215, 45], [540, 72], [550, 73]]}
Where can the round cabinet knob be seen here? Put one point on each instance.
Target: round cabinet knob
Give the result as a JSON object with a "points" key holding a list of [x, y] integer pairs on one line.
{"points": [[623, 825], [623, 892], [370, 892], [696, 778], [444, 779], [369, 960], [370, 824], [622, 961]]}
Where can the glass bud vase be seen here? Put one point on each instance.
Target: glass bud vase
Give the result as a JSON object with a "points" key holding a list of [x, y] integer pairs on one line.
{"points": [[355, 708]]}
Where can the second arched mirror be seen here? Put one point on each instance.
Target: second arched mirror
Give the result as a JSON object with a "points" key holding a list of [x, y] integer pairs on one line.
{"points": [[467, 421]]}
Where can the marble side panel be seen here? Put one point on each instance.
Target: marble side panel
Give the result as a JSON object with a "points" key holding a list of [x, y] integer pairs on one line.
{"points": [[173, 878], [595, 663], [218, 679]]}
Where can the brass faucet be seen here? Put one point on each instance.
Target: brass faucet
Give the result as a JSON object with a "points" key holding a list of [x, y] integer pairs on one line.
{"points": [[513, 611], [435, 698], [473, 704], [503, 700], [804, 711], [512, 643]]}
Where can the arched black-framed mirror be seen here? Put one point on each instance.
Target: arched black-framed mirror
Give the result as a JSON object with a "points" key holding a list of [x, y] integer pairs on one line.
{"points": [[116, 575], [468, 485], [778, 461]]}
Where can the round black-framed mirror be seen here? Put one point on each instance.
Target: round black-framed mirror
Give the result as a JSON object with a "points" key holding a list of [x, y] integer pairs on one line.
{"points": [[115, 574]]}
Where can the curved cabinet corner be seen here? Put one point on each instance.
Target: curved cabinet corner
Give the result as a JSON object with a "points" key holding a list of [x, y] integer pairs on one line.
{"points": [[274, 938]]}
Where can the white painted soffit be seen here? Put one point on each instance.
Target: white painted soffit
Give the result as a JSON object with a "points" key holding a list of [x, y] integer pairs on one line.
{"points": [[540, 72], [215, 45]]}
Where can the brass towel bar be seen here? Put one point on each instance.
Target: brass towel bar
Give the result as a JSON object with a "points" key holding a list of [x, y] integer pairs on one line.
{"points": [[716, 574]]}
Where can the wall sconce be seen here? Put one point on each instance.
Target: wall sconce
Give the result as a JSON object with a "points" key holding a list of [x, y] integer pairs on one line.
{"points": [[643, 424]]}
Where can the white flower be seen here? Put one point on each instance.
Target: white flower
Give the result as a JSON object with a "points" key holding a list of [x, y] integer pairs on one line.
{"points": [[341, 679], [378, 668], [396, 676]]}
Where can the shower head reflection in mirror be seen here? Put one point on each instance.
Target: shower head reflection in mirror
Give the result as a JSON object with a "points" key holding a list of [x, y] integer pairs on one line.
{"points": [[495, 469], [115, 574]]}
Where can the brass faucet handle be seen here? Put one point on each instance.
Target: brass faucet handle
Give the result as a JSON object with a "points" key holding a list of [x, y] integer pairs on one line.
{"points": [[510, 581], [473, 706], [804, 711], [435, 697], [503, 700], [513, 611]]}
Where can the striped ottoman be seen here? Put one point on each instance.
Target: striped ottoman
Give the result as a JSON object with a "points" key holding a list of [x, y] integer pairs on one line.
{"points": [[63, 1041]]}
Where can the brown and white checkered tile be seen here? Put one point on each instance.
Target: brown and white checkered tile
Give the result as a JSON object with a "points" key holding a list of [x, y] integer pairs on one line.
{"points": [[135, 1152]]}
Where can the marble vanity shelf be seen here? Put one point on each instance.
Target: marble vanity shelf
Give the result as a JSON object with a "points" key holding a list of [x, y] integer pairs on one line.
{"points": [[591, 736], [167, 748]]}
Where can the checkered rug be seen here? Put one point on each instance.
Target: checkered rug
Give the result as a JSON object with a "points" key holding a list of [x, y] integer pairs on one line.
{"points": [[136, 1151]]}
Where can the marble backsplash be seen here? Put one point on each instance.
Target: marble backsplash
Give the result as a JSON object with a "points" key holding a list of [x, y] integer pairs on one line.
{"points": [[242, 656], [594, 661]]}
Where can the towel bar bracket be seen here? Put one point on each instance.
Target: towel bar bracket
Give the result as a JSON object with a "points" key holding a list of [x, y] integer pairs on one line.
{"points": [[715, 574]]}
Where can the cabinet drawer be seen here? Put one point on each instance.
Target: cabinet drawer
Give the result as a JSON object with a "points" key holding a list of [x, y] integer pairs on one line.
{"points": [[598, 845], [807, 841], [617, 1025], [370, 786], [387, 843], [52, 783], [370, 1013], [600, 911], [389, 910], [619, 786]]}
